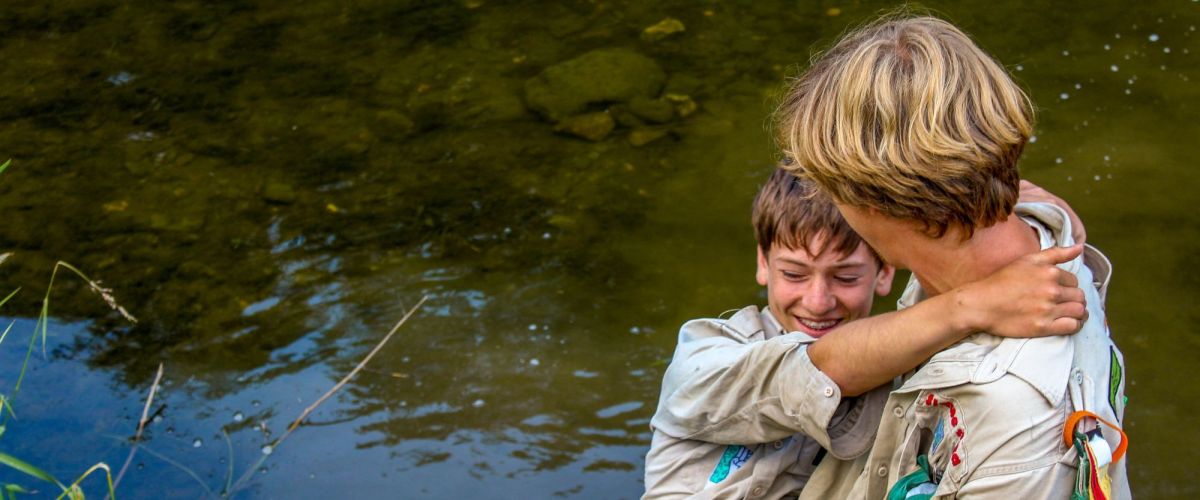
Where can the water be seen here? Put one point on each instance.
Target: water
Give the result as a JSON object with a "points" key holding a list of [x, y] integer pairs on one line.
{"points": [[269, 186]]}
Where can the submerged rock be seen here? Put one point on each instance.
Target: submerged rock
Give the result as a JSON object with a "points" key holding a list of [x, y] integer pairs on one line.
{"points": [[605, 75], [590, 126], [643, 136], [663, 29], [652, 110]]}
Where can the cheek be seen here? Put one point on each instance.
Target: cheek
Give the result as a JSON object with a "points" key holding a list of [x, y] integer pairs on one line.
{"points": [[783, 293], [857, 301]]}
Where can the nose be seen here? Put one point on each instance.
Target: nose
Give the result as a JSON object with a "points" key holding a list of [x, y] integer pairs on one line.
{"points": [[818, 299]]}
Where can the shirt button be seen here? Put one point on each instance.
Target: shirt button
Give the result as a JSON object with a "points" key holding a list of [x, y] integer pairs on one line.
{"points": [[881, 471], [829, 392], [758, 491], [778, 445], [898, 412]]}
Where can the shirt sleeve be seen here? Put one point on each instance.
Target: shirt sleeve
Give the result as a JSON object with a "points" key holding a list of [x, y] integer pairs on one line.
{"points": [[726, 387]]}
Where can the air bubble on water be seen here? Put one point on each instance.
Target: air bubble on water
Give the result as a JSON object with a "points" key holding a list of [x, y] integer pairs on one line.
{"points": [[262, 470], [1058, 161], [1126, 57], [545, 236], [532, 327], [197, 443], [1114, 68], [478, 403], [1066, 53], [1020, 67], [1127, 91], [1166, 50], [158, 418], [1078, 86], [1033, 138], [1129, 81], [534, 362], [1095, 177], [1069, 179], [238, 417], [1107, 47], [1105, 157], [405, 359], [141, 466], [1064, 96], [1117, 35], [267, 449], [1153, 37], [255, 403], [635, 330]]}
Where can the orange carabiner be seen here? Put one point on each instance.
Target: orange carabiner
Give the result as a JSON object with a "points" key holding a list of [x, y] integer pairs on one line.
{"points": [[1073, 420]]}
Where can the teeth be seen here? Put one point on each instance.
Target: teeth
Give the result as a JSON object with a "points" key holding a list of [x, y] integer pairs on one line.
{"points": [[819, 325]]}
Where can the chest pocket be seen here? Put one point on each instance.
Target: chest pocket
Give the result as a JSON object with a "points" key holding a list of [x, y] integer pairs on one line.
{"points": [[937, 433]]}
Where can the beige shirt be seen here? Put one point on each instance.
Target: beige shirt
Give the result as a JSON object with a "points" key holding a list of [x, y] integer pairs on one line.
{"points": [[989, 412], [744, 413]]}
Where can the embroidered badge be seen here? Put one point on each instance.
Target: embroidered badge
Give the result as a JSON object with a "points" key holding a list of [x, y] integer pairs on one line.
{"points": [[1114, 378], [938, 434], [734, 458]]}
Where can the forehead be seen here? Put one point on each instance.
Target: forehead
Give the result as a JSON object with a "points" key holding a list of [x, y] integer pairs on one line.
{"points": [[828, 256]]}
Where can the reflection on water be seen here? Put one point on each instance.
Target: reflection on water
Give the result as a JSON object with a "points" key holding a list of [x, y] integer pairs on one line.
{"points": [[268, 186]]}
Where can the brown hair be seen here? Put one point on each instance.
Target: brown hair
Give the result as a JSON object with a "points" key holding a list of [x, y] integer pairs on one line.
{"points": [[909, 117], [792, 212]]}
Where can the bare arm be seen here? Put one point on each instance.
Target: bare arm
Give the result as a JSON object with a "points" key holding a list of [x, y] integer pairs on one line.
{"points": [[1028, 298]]}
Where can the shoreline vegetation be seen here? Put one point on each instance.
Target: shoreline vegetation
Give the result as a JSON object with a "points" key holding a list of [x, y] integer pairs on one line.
{"points": [[74, 490]]}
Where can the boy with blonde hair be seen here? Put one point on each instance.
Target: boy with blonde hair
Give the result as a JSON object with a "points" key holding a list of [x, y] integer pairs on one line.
{"points": [[744, 410], [915, 133]]}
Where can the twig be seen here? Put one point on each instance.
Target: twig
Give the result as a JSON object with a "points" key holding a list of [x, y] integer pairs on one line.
{"points": [[303, 415], [137, 437]]}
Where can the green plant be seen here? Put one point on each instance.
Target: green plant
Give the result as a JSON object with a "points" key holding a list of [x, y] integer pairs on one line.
{"points": [[73, 490]]}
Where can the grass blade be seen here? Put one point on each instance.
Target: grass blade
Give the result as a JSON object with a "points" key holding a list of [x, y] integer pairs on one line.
{"points": [[28, 469], [183, 468], [14, 292]]}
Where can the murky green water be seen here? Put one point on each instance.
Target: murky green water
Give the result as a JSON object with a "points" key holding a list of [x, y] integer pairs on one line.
{"points": [[269, 186]]}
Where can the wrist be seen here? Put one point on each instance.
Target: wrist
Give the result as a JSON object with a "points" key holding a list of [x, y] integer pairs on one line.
{"points": [[965, 319]]}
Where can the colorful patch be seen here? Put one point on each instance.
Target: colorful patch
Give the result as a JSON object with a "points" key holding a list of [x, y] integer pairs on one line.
{"points": [[1114, 378], [938, 435], [734, 458]]}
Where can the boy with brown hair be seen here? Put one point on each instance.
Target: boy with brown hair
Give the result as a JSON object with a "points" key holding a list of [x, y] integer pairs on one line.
{"points": [[915, 133], [745, 411]]}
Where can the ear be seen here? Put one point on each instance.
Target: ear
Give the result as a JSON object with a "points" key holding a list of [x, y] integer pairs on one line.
{"points": [[883, 282], [763, 273]]}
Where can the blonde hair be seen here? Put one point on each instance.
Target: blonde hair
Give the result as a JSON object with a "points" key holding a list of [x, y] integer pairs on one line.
{"points": [[792, 212], [909, 117]]}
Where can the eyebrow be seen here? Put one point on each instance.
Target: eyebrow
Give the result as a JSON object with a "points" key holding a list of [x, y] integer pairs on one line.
{"points": [[840, 265]]}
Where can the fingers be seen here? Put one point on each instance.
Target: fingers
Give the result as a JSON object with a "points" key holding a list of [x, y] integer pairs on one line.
{"points": [[1071, 293], [1065, 326], [1068, 280], [1058, 255]]}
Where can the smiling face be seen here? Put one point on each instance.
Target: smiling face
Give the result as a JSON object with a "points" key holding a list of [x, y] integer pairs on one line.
{"points": [[815, 294]]}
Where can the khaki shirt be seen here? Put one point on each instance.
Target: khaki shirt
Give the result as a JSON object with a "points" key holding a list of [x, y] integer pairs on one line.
{"points": [[989, 412], [744, 413]]}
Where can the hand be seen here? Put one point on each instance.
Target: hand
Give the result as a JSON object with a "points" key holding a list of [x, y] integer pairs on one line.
{"points": [[1031, 297], [1032, 193]]}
